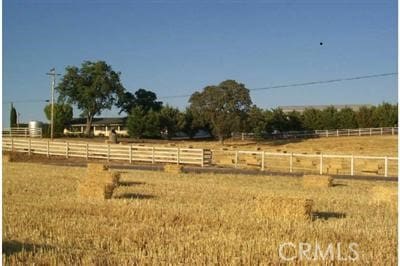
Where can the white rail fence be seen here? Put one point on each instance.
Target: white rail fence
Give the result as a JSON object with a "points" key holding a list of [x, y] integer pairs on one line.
{"points": [[118, 152], [265, 161], [22, 132], [308, 163], [324, 133], [357, 132]]}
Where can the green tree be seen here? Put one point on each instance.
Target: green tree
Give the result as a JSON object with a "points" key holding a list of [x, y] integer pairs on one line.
{"points": [[126, 102], [93, 88], [169, 120], [62, 116], [187, 123], [147, 100], [142, 124], [294, 121], [224, 107], [312, 119], [364, 117], [143, 98], [278, 120], [385, 115], [329, 118], [346, 118], [13, 116], [257, 121]]}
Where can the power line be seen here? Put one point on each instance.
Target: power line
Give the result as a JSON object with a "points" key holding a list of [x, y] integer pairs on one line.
{"points": [[325, 81], [27, 101], [302, 84]]}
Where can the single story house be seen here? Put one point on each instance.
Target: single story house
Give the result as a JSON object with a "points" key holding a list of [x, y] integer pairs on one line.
{"points": [[101, 126]]}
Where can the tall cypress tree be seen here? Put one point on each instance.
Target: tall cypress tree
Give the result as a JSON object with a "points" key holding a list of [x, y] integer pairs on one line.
{"points": [[13, 116]]}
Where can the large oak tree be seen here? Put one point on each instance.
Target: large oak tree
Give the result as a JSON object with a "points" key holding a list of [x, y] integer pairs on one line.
{"points": [[93, 88], [224, 107], [145, 99]]}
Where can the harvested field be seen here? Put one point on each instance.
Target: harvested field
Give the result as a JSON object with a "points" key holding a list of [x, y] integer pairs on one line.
{"points": [[364, 145], [173, 168], [384, 194], [166, 218], [317, 181]]}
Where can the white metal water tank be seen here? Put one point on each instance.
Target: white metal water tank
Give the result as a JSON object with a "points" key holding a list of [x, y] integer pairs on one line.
{"points": [[35, 129]]}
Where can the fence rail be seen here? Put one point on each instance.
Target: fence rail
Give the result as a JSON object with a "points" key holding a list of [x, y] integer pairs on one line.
{"points": [[262, 160], [22, 132], [308, 163], [129, 153], [321, 133]]}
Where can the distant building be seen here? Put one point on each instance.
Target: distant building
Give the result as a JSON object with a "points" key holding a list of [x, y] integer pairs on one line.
{"points": [[301, 108], [101, 126]]}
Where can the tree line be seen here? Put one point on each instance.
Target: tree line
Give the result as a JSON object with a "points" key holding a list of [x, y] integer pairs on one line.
{"points": [[220, 109]]}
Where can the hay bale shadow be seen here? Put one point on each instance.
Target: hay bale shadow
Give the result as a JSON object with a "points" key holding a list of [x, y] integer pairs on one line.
{"points": [[339, 185], [130, 183], [11, 247], [328, 215], [134, 196]]}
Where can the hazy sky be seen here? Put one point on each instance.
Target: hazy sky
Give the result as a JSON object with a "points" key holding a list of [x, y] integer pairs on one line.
{"points": [[178, 47]]}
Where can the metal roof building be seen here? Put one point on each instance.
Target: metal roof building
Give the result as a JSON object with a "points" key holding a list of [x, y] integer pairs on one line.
{"points": [[301, 108]]}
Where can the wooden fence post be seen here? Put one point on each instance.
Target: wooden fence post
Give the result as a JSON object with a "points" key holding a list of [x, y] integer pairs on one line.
{"points": [[177, 155], [291, 163], [320, 164], [352, 165], [12, 144], [392, 130], [152, 155], [29, 147], [381, 131], [236, 158], [359, 132], [66, 149], [262, 161], [48, 148], [327, 133], [87, 151], [386, 166], [130, 153], [202, 157], [370, 131], [108, 152], [348, 132], [337, 132]]}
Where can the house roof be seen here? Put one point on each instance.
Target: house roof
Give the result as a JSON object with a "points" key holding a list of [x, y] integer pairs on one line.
{"points": [[301, 108], [100, 121]]}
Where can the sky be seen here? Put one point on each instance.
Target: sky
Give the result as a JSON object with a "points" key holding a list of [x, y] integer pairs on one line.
{"points": [[179, 47]]}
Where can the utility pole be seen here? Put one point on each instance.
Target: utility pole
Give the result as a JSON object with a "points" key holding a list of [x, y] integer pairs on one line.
{"points": [[53, 84]]}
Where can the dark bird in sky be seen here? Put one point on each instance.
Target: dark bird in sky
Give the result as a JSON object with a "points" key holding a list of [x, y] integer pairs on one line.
{"points": [[321, 43]]}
